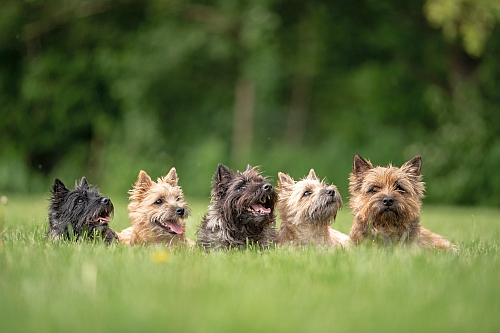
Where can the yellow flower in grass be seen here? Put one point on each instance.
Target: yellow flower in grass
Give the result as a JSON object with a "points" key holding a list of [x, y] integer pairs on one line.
{"points": [[160, 257]]}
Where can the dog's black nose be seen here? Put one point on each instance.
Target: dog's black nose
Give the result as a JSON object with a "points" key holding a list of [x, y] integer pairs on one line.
{"points": [[105, 200], [180, 211], [331, 193], [388, 201], [267, 187]]}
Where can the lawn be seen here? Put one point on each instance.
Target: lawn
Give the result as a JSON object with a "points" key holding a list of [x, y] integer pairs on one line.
{"points": [[83, 287]]}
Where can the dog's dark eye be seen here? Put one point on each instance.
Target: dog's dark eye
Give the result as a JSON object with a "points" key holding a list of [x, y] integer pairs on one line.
{"points": [[373, 189], [399, 188], [178, 199], [159, 201], [242, 188], [79, 201], [307, 193]]}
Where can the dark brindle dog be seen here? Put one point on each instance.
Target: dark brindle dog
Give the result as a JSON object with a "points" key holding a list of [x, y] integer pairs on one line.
{"points": [[79, 212], [241, 211]]}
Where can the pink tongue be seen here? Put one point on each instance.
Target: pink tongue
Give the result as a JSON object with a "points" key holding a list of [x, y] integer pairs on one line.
{"points": [[105, 219], [175, 227], [260, 209]]}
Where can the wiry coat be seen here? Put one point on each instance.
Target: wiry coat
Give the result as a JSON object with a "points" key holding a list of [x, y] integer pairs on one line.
{"points": [[241, 211], [81, 212], [386, 204], [157, 212], [307, 209]]}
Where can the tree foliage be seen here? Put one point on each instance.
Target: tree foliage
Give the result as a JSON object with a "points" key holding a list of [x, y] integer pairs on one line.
{"points": [[472, 21], [107, 88]]}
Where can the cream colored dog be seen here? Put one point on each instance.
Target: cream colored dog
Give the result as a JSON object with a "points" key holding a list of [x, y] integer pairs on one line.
{"points": [[307, 208]]}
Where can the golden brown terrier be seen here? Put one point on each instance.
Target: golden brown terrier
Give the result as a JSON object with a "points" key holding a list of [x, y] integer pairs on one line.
{"points": [[157, 211], [306, 209], [386, 203]]}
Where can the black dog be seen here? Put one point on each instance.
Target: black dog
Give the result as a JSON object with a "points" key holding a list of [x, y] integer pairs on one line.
{"points": [[80, 212], [241, 211]]}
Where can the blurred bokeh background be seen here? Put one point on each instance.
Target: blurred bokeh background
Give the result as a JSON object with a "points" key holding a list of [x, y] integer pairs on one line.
{"points": [[107, 88]]}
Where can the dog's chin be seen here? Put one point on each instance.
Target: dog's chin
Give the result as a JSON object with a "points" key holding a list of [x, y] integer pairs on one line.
{"points": [[101, 227], [171, 227], [388, 216], [389, 211], [249, 219], [93, 229], [323, 211]]}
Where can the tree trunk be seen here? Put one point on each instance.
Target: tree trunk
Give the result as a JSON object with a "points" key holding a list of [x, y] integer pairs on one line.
{"points": [[299, 109], [244, 105]]}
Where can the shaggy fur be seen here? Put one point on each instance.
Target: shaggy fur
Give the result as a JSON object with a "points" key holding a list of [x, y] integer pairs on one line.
{"points": [[241, 211], [81, 212], [306, 209], [157, 211], [386, 203]]}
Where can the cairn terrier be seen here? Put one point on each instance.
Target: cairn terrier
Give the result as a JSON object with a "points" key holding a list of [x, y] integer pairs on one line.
{"points": [[306, 209], [386, 203], [157, 211], [241, 211], [79, 213]]}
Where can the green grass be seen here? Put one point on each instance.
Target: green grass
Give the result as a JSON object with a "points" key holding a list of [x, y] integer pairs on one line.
{"points": [[82, 287]]}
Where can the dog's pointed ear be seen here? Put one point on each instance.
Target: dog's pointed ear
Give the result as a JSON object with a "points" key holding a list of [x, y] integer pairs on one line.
{"points": [[59, 190], [413, 166], [222, 174], [83, 184], [171, 178], [360, 165], [413, 169], [285, 180], [143, 182], [141, 186], [312, 175]]}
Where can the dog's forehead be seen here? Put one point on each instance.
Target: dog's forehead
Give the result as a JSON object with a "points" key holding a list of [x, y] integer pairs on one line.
{"points": [[315, 186], [89, 193], [165, 190], [385, 177], [307, 184], [250, 176]]}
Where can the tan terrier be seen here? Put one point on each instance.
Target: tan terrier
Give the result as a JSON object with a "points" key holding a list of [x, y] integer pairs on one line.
{"points": [[386, 203], [157, 211], [306, 209]]}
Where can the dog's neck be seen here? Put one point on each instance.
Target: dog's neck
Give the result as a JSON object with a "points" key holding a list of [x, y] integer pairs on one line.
{"points": [[404, 232], [306, 233]]}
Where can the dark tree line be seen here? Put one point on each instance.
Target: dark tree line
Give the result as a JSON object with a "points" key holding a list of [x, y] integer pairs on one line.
{"points": [[106, 88]]}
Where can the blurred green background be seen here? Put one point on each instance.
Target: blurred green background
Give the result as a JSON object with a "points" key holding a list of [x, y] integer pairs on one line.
{"points": [[107, 88]]}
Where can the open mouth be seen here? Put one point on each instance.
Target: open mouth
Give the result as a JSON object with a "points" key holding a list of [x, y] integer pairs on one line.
{"points": [[171, 227], [102, 218], [260, 207]]}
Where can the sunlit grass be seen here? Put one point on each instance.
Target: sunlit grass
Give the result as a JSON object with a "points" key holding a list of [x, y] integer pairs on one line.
{"points": [[61, 287]]}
